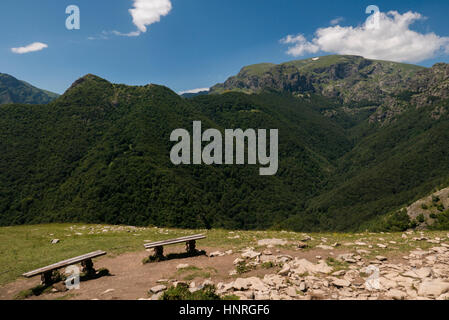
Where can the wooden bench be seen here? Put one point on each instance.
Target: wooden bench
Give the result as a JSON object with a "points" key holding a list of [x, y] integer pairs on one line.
{"points": [[189, 240], [47, 272]]}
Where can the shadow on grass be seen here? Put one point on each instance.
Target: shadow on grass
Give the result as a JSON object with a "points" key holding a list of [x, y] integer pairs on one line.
{"points": [[174, 256]]}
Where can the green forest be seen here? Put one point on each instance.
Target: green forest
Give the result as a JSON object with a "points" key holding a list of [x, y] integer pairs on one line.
{"points": [[100, 153]]}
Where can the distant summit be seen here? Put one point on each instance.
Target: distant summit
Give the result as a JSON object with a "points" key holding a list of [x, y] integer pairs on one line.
{"points": [[13, 90], [194, 93], [349, 78]]}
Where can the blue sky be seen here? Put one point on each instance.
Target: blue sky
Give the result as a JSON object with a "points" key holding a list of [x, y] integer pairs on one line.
{"points": [[199, 42]]}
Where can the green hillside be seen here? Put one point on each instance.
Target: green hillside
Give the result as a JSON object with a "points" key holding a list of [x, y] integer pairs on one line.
{"points": [[16, 91], [100, 153]]}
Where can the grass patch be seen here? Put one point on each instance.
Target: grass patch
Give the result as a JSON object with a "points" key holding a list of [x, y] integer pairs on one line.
{"points": [[268, 265], [36, 291], [65, 297], [181, 292], [242, 268], [190, 273], [195, 275], [337, 265]]}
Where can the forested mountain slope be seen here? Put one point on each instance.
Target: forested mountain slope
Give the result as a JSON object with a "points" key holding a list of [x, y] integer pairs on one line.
{"points": [[101, 151]]}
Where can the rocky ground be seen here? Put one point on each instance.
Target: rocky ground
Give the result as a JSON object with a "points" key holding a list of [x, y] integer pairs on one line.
{"points": [[284, 265], [424, 274], [420, 275]]}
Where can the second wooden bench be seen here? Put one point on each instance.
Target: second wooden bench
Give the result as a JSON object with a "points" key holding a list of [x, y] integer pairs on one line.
{"points": [[189, 240]]}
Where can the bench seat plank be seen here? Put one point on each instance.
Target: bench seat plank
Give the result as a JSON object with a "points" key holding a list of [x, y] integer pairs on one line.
{"points": [[65, 263], [174, 241]]}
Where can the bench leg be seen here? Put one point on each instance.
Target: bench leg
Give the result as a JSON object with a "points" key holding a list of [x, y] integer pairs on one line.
{"points": [[47, 278], [159, 252], [191, 246], [88, 267]]}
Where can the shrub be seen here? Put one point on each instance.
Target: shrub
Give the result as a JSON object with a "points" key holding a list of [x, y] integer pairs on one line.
{"points": [[397, 222], [268, 265], [181, 292], [420, 218]]}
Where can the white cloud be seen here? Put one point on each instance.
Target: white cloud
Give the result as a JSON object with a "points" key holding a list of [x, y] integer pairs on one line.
{"points": [[144, 14], [147, 12], [300, 45], [103, 36], [36, 46], [129, 34], [337, 20], [195, 90], [392, 39]]}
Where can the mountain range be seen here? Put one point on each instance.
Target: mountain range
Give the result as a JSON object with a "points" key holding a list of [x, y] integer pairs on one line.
{"points": [[359, 139]]}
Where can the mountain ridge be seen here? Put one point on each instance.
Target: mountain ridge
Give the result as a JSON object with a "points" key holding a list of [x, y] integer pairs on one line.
{"points": [[353, 80], [13, 90]]}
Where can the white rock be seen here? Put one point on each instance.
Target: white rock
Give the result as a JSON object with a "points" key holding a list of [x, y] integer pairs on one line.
{"points": [[341, 283], [54, 241], [396, 294], [285, 270], [272, 242], [240, 284], [158, 289], [433, 288], [107, 291], [182, 266], [257, 284], [157, 296], [339, 273], [387, 284], [304, 266], [324, 247], [444, 297], [216, 254], [423, 273], [291, 292], [250, 254]]}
